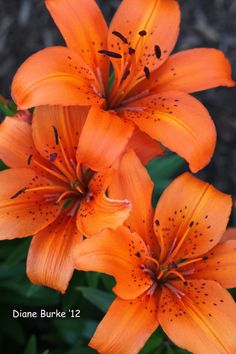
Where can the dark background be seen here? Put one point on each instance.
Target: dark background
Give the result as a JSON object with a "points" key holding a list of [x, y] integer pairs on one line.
{"points": [[26, 27]]}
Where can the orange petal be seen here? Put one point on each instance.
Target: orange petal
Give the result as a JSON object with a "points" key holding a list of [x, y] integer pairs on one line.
{"points": [[148, 17], [126, 326], [193, 70], [219, 266], [132, 182], [115, 253], [50, 257], [97, 212], [145, 147], [230, 234], [103, 139], [203, 320], [178, 121], [63, 79], [193, 214], [16, 143], [84, 29], [68, 122], [24, 213]]}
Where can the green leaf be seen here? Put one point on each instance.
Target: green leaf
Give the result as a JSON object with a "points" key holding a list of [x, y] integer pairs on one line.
{"points": [[164, 167], [8, 110], [46, 351], [3, 166], [152, 344], [98, 298], [31, 347], [19, 253], [92, 279]]}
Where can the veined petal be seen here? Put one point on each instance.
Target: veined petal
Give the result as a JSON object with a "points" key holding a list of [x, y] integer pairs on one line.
{"points": [[96, 211], [131, 181], [144, 26], [117, 253], [200, 317], [16, 142], [84, 30], [67, 122], [144, 146], [126, 326], [103, 139], [50, 257], [22, 212], [63, 79], [178, 121], [191, 70], [219, 265], [191, 217]]}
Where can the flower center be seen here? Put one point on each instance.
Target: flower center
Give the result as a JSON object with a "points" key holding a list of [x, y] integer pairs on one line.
{"points": [[128, 73]]}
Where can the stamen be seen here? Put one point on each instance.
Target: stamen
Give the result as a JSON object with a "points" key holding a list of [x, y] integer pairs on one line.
{"points": [[142, 33], [126, 74], [50, 171], [157, 51], [161, 239], [29, 160], [110, 54], [177, 292], [131, 51], [151, 291], [146, 72], [205, 258], [55, 134], [19, 193], [152, 260], [175, 273], [177, 248], [65, 194], [74, 209], [134, 98], [53, 157], [119, 35]]}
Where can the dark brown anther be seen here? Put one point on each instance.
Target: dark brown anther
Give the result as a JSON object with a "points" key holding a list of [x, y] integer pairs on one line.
{"points": [[119, 35], [185, 283], [126, 74], [191, 224], [138, 254], [110, 54], [53, 157], [147, 72], [131, 51], [19, 193], [142, 33], [205, 258], [157, 51], [55, 134], [29, 159]]}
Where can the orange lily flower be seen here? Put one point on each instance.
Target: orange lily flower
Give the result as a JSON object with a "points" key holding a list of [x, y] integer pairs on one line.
{"points": [[150, 89], [170, 267], [56, 187]]}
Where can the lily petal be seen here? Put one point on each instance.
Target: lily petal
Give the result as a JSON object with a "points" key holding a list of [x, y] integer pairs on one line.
{"points": [[144, 26], [50, 257], [115, 253], [22, 212], [84, 30], [230, 234], [103, 139], [144, 146], [16, 143], [63, 79], [178, 121], [136, 186], [191, 71], [219, 265], [68, 122], [137, 317], [97, 212], [191, 214], [202, 320]]}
